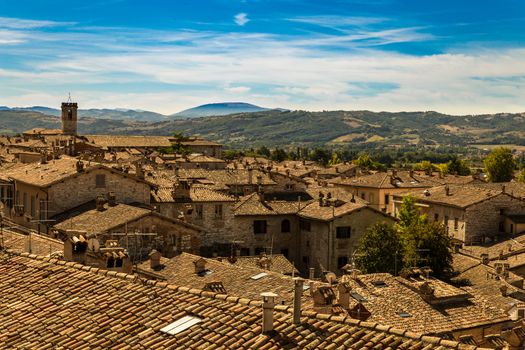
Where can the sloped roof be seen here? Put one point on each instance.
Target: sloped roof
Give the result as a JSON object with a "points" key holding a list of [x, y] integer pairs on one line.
{"points": [[197, 194], [460, 196], [277, 263], [253, 205], [402, 179], [129, 141], [51, 303]]}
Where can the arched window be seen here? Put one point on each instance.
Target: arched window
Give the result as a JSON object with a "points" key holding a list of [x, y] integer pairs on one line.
{"points": [[285, 226]]}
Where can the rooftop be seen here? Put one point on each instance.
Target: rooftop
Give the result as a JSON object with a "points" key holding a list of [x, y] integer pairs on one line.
{"points": [[51, 303]]}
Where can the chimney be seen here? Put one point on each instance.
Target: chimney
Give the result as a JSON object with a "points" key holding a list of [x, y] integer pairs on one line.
{"points": [[100, 201], [353, 199], [200, 266], [503, 188], [321, 199], [411, 173], [139, 171], [112, 199], [447, 190], [250, 175], [311, 273], [485, 259], [154, 259], [80, 166], [298, 293], [344, 295], [268, 305]]}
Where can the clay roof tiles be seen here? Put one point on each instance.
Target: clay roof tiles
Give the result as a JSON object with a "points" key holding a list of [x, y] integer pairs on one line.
{"points": [[49, 303]]}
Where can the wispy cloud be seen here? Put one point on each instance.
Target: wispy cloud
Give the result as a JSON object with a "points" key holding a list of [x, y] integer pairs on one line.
{"points": [[314, 71], [338, 21], [19, 23], [241, 19]]}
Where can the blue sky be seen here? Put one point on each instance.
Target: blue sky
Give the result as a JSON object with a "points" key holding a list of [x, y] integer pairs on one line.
{"points": [[460, 57]]}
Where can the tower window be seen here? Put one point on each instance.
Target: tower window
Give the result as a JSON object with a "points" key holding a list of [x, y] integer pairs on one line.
{"points": [[70, 114]]}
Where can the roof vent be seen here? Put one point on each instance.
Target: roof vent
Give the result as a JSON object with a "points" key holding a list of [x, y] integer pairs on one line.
{"points": [[259, 276]]}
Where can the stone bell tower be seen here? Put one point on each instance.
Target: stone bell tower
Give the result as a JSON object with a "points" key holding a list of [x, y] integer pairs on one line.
{"points": [[69, 117]]}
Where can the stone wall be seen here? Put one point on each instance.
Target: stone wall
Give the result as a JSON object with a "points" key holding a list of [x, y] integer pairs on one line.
{"points": [[80, 189], [483, 219]]}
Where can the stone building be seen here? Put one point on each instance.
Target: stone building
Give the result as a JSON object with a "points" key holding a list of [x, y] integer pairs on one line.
{"points": [[330, 231], [137, 229], [32, 194], [471, 214]]}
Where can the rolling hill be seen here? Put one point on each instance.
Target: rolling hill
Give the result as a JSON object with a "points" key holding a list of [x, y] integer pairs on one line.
{"points": [[357, 128]]}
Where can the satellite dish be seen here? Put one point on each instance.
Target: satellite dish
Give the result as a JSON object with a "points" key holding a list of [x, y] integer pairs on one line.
{"points": [[93, 245]]}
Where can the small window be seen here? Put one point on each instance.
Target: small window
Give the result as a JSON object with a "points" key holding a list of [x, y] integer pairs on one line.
{"points": [[258, 251], [342, 261], [343, 232], [245, 251], [199, 211], [305, 225], [259, 226], [363, 195], [306, 260], [446, 220], [100, 181], [110, 263], [387, 198], [456, 224], [436, 217], [285, 226], [218, 211], [289, 187], [284, 252], [33, 206], [118, 262]]}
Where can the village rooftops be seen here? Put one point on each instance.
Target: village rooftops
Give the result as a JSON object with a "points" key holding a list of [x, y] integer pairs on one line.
{"points": [[275, 262], [32, 243], [197, 194], [460, 196], [116, 141], [222, 179], [392, 179], [46, 302], [54, 171], [88, 218], [253, 204]]}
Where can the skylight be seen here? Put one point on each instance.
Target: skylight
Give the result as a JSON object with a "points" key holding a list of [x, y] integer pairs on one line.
{"points": [[379, 283], [180, 325], [358, 297], [259, 276], [405, 314]]}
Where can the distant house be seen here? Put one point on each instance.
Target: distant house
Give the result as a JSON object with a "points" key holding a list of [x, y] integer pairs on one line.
{"points": [[470, 213], [32, 194]]}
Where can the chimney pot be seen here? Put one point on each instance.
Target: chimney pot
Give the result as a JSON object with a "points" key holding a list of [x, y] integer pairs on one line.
{"points": [[112, 199], [268, 306], [298, 293], [311, 273], [100, 201], [154, 259]]}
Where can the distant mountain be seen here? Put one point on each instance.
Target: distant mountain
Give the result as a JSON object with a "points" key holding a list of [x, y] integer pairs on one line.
{"points": [[218, 109], [358, 129], [110, 114]]}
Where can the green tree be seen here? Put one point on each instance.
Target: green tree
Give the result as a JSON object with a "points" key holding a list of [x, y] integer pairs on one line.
{"points": [[500, 165], [278, 155], [408, 213], [457, 166], [321, 156], [427, 244], [521, 175], [425, 166], [366, 162], [335, 159], [380, 250], [264, 151]]}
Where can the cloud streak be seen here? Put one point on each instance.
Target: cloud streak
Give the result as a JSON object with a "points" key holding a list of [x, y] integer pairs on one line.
{"points": [[170, 70], [241, 19]]}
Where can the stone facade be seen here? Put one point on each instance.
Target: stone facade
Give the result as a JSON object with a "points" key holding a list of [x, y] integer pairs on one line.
{"points": [[322, 249]]}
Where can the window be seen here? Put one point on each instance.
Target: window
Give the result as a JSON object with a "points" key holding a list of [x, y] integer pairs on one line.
{"points": [[259, 226], [305, 225], [100, 181], [258, 251], [33, 206], [289, 187], [306, 260], [446, 220], [285, 226], [199, 211], [387, 198], [342, 261], [245, 251], [17, 198], [371, 197], [363, 195], [218, 211], [284, 252], [436, 217], [42, 209], [456, 223], [343, 232]]}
